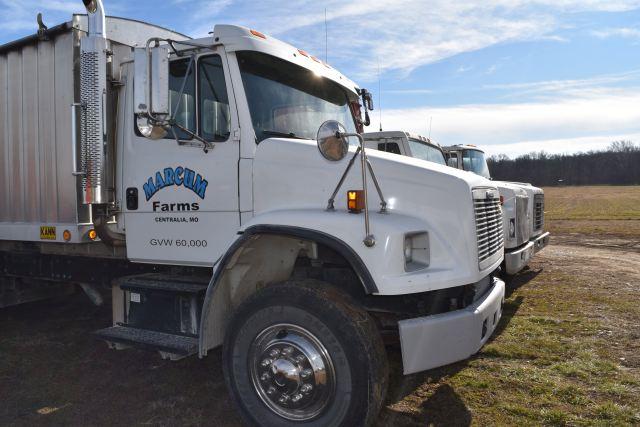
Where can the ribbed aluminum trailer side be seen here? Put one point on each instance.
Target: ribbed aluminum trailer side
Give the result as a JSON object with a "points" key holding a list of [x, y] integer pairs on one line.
{"points": [[40, 197]]}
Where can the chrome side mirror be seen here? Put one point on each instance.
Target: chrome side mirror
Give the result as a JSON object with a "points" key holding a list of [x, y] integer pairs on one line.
{"points": [[151, 90], [332, 143]]}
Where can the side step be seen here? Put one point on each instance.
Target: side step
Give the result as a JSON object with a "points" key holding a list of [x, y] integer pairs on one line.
{"points": [[164, 282], [170, 345]]}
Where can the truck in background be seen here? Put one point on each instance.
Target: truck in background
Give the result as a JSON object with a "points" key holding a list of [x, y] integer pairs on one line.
{"points": [[516, 224], [212, 185], [471, 158]]}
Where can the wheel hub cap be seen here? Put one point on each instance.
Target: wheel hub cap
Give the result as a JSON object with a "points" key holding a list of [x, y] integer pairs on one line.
{"points": [[292, 372]]}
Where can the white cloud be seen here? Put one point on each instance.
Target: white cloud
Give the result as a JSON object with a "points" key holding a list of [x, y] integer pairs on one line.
{"points": [[568, 87], [624, 32], [560, 146], [575, 123], [405, 34]]}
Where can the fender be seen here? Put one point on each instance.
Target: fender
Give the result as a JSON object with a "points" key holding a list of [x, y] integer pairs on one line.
{"points": [[279, 230]]}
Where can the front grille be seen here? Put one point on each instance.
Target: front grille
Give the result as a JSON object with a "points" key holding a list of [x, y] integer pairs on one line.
{"points": [[538, 212], [488, 226]]}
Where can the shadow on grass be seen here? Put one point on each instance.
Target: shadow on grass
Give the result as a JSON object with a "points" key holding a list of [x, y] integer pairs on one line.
{"points": [[520, 279], [442, 405]]}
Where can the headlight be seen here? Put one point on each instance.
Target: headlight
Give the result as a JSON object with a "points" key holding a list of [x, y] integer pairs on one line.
{"points": [[512, 228], [416, 251]]}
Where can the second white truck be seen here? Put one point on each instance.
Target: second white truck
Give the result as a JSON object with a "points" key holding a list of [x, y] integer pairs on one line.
{"points": [[520, 202]]}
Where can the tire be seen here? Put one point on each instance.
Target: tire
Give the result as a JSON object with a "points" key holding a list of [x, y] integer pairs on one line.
{"points": [[271, 342]]}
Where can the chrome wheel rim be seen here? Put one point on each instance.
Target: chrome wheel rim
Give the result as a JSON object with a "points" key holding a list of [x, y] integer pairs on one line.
{"points": [[291, 372]]}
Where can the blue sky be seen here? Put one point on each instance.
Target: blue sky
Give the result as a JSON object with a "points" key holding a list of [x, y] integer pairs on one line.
{"points": [[511, 76]]}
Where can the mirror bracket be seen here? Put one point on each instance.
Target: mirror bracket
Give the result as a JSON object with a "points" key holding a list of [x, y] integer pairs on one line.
{"points": [[369, 239]]}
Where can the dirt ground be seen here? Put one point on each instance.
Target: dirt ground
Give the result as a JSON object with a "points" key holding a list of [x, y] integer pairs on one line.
{"points": [[567, 352]]}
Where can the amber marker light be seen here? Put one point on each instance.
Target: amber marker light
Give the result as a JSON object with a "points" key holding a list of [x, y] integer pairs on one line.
{"points": [[355, 201], [303, 53], [258, 34], [66, 235], [92, 234]]}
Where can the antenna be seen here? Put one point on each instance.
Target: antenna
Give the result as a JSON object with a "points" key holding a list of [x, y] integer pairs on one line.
{"points": [[379, 94], [430, 120], [326, 38]]}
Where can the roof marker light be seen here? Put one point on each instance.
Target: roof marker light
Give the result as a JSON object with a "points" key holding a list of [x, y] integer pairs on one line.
{"points": [[315, 59], [258, 34], [303, 53]]}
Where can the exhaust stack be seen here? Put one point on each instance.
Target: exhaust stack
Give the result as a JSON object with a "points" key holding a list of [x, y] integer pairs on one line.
{"points": [[93, 98]]}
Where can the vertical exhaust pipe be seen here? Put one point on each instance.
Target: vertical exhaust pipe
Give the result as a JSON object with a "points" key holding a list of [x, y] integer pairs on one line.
{"points": [[96, 18], [93, 98]]}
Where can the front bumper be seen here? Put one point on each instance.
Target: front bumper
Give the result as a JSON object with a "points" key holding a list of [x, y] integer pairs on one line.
{"points": [[516, 260], [433, 341], [541, 241]]}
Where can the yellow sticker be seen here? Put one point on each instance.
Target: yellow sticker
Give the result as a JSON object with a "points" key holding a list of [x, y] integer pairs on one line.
{"points": [[47, 232]]}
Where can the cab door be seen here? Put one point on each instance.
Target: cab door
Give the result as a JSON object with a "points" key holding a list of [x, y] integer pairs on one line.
{"points": [[180, 200]]}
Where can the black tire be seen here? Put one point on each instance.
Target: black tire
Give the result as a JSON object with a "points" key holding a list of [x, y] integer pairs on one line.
{"points": [[349, 335]]}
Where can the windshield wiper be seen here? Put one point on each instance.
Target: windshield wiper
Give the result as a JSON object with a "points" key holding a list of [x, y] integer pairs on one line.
{"points": [[283, 134]]}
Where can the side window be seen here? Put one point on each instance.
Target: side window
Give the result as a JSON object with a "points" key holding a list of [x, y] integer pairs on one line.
{"points": [[453, 160], [185, 105], [389, 147], [214, 112]]}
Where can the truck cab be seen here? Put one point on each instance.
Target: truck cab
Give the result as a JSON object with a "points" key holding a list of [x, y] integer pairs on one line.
{"points": [[406, 144], [526, 234]]}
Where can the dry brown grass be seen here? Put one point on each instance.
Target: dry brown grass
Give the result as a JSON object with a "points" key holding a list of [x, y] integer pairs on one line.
{"points": [[601, 210]]}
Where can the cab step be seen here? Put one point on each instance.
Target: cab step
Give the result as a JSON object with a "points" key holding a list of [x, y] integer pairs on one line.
{"points": [[170, 346], [163, 282]]}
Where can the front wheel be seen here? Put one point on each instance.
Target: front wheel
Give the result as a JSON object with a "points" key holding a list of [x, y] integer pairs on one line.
{"points": [[302, 353]]}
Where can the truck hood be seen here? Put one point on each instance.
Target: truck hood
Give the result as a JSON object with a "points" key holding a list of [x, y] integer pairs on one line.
{"points": [[293, 173], [292, 183]]}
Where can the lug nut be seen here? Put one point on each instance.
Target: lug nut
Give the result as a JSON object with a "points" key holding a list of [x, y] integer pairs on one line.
{"points": [[306, 373], [296, 398], [265, 376], [306, 388], [283, 399], [300, 358], [274, 353], [265, 363], [287, 351], [271, 390]]}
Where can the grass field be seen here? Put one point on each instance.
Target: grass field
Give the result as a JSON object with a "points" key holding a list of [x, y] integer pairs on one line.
{"points": [[607, 210]]}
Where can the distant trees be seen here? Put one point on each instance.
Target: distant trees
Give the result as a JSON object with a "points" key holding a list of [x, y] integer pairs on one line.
{"points": [[619, 164]]}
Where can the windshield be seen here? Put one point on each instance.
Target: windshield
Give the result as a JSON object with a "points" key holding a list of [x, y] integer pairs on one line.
{"points": [[288, 100], [474, 161], [424, 151]]}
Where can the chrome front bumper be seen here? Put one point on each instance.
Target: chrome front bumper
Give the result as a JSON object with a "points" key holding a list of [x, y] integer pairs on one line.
{"points": [[541, 241], [433, 341], [516, 260]]}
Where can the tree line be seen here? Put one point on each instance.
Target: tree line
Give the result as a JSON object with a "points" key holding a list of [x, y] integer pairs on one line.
{"points": [[619, 164]]}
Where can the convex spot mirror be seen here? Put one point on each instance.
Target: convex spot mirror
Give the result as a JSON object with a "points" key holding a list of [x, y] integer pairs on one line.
{"points": [[331, 142], [151, 90]]}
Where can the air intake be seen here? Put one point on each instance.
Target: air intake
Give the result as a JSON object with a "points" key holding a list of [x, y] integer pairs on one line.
{"points": [[93, 96]]}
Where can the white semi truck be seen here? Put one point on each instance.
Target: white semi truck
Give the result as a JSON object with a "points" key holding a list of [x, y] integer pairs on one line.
{"points": [[521, 240], [219, 187], [471, 158]]}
